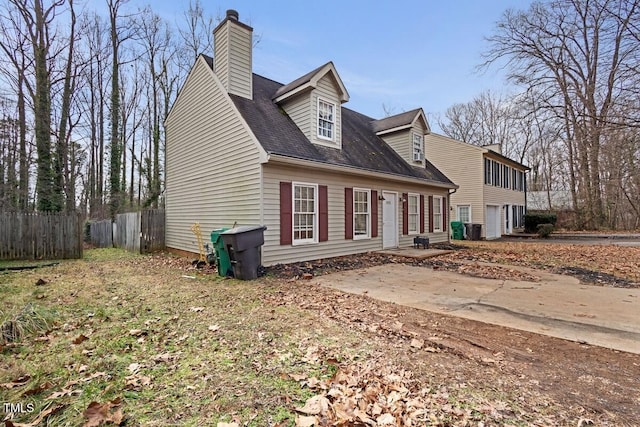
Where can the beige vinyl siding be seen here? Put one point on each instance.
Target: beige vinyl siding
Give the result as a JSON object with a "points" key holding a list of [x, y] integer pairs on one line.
{"points": [[463, 164], [240, 67], [401, 142], [497, 196], [273, 253], [328, 91], [233, 58], [299, 110], [212, 163], [221, 56]]}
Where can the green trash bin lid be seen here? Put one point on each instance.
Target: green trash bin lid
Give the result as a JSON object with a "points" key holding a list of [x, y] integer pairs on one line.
{"points": [[216, 234]]}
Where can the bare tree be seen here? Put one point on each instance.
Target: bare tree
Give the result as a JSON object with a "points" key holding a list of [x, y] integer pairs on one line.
{"points": [[15, 67], [579, 55], [37, 19], [197, 32]]}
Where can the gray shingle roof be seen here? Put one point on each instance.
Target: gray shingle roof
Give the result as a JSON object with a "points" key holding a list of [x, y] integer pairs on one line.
{"points": [[361, 147], [297, 82], [392, 122]]}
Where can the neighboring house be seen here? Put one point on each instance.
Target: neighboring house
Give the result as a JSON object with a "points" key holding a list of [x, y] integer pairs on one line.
{"points": [[325, 180], [553, 200], [492, 187]]}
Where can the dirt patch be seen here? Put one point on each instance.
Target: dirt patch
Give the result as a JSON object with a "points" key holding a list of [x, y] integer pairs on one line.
{"points": [[463, 261], [596, 277]]}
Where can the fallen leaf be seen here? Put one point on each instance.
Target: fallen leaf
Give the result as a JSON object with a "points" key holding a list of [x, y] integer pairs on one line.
{"points": [[137, 332], [99, 413], [80, 339], [298, 377], [62, 393], [315, 405], [18, 382], [307, 276], [385, 419], [136, 382], [306, 421], [416, 343], [38, 389], [196, 309], [134, 368], [221, 424], [214, 328]]}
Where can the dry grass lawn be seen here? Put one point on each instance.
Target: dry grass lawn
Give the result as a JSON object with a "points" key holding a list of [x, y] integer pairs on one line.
{"points": [[117, 339]]}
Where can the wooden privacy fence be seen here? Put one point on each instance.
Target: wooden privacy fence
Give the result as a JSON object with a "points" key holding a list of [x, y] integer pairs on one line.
{"points": [[101, 233], [139, 232], [37, 235]]}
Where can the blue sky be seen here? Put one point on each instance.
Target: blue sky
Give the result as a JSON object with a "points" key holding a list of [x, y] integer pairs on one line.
{"points": [[400, 54]]}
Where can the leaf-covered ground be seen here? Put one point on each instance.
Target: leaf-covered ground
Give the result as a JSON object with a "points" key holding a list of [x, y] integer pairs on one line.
{"points": [[148, 340]]}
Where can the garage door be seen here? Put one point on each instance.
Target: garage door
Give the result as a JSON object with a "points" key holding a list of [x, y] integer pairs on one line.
{"points": [[492, 224]]}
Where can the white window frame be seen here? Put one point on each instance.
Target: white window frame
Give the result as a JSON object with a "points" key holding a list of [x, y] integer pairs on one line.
{"points": [[437, 223], [458, 213], [415, 214], [367, 214], [314, 224], [418, 147], [332, 122]]}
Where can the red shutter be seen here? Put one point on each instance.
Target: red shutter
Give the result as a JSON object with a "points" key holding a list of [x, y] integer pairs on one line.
{"points": [[285, 213], [323, 211], [422, 213], [348, 213], [374, 213], [405, 213], [444, 214], [430, 214]]}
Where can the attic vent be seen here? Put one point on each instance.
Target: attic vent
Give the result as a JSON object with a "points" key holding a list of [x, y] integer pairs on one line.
{"points": [[233, 14]]}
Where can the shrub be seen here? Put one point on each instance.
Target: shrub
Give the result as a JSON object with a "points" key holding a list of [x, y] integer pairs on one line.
{"points": [[544, 230], [533, 220]]}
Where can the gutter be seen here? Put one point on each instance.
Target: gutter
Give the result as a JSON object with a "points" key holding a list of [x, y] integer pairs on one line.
{"points": [[280, 159]]}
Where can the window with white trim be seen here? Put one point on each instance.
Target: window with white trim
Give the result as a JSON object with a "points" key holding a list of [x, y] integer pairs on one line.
{"points": [[437, 213], [464, 213], [413, 203], [326, 119], [418, 147], [305, 213], [361, 213]]}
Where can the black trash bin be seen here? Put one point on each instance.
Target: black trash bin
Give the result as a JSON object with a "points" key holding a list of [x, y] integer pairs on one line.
{"points": [[476, 231], [243, 246]]}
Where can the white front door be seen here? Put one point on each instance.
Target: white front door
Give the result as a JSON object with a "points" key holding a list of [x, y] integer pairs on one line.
{"points": [[389, 220], [492, 222]]}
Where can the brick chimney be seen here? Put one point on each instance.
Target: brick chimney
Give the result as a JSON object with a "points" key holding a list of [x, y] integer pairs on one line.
{"points": [[232, 55]]}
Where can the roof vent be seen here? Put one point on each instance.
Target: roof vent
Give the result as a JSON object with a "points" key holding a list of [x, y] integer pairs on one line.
{"points": [[233, 14]]}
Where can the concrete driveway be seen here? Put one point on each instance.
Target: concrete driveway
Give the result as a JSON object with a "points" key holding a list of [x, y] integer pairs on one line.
{"points": [[555, 305]]}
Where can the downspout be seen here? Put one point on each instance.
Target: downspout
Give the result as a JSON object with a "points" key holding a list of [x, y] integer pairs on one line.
{"points": [[450, 192]]}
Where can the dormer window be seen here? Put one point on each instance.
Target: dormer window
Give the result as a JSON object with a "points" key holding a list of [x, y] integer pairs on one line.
{"points": [[326, 119], [418, 148]]}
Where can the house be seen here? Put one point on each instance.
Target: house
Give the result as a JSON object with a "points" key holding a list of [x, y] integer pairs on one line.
{"points": [[325, 180], [492, 187], [552, 200]]}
